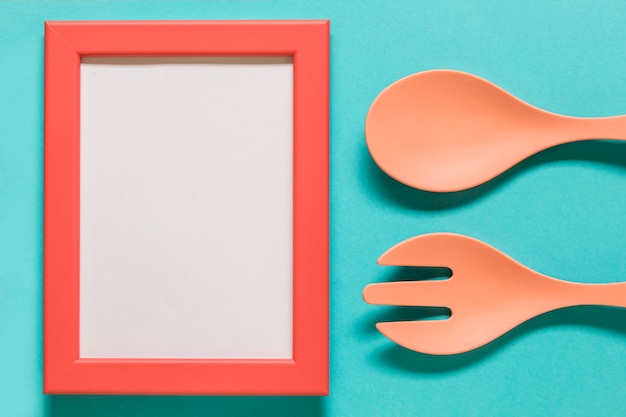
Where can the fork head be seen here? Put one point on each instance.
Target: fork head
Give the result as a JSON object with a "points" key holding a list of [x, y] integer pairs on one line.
{"points": [[488, 293]]}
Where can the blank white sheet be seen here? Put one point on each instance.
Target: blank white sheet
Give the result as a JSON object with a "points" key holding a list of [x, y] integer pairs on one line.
{"points": [[186, 207]]}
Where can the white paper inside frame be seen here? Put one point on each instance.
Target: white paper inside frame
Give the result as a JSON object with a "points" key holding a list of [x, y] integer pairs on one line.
{"points": [[186, 208]]}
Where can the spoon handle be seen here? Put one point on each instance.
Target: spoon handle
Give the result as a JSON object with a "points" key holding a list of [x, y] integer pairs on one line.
{"points": [[587, 128]]}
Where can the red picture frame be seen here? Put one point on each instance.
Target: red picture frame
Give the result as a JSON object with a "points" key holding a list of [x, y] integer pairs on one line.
{"points": [[65, 372]]}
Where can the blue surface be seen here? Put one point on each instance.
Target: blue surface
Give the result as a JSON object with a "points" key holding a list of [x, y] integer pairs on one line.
{"points": [[561, 212]]}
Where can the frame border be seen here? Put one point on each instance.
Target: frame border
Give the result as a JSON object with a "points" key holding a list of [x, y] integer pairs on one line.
{"points": [[307, 372]]}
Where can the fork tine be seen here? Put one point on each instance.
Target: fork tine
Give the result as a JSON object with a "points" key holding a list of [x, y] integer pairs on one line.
{"points": [[408, 293], [434, 337], [431, 250]]}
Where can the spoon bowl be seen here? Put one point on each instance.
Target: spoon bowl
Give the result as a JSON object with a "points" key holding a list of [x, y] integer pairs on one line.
{"points": [[445, 130]]}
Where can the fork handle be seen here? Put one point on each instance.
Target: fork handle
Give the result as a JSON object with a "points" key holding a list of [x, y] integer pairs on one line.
{"points": [[609, 294]]}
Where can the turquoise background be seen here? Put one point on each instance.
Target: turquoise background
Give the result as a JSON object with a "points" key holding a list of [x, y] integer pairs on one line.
{"points": [[561, 212]]}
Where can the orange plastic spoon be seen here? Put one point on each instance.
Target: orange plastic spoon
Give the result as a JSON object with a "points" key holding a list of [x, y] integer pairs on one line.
{"points": [[447, 130], [489, 294]]}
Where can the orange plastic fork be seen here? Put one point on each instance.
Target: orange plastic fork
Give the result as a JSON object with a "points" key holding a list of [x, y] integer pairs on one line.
{"points": [[488, 294]]}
